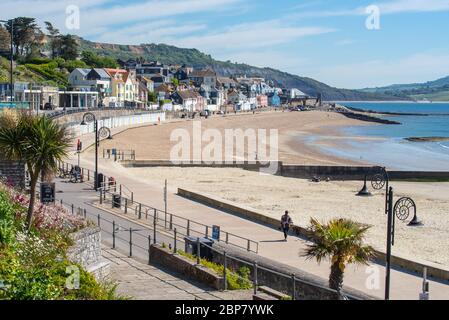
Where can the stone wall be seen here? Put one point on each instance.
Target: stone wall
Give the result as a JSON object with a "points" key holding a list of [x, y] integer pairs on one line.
{"points": [[307, 286], [110, 120], [333, 172], [13, 172], [300, 171], [357, 173], [411, 264], [86, 251], [185, 266]]}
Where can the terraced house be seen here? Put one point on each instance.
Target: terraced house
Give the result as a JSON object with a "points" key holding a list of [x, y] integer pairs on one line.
{"points": [[123, 87]]}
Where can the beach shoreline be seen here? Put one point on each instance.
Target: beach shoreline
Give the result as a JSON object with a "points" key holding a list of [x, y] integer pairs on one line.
{"points": [[153, 142]]}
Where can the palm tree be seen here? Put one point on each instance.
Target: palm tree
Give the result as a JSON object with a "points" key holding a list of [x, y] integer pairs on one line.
{"points": [[38, 141], [341, 240]]}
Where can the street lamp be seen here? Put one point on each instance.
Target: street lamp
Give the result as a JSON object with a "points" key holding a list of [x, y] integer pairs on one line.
{"points": [[11, 58], [379, 181], [103, 132], [401, 210]]}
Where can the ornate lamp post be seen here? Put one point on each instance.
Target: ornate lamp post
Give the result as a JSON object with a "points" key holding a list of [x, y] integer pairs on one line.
{"points": [[401, 210], [103, 132], [381, 180]]}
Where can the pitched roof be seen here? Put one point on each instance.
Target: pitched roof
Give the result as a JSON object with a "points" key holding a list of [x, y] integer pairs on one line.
{"points": [[83, 71], [125, 76], [225, 80], [147, 79], [188, 94], [163, 88], [113, 72], [102, 73], [203, 73]]}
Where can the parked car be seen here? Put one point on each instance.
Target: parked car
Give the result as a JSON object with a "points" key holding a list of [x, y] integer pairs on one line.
{"points": [[205, 113], [49, 106]]}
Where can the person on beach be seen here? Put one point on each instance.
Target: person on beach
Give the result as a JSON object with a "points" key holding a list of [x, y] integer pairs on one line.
{"points": [[286, 222]]}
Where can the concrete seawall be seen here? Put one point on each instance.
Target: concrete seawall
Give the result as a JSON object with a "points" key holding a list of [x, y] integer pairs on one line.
{"points": [[410, 264], [300, 171]]}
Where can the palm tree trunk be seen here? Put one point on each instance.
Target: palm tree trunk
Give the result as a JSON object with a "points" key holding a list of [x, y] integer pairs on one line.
{"points": [[336, 277], [29, 218]]}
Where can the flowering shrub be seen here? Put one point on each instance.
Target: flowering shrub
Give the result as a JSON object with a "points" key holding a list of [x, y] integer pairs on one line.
{"points": [[45, 217], [33, 265], [7, 217], [56, 218]]}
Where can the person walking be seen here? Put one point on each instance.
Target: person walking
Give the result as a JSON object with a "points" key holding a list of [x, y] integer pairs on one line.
{"points": [[286, 222]]}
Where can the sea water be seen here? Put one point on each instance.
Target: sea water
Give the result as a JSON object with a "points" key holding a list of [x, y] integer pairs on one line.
{"points": [[392, 150]]}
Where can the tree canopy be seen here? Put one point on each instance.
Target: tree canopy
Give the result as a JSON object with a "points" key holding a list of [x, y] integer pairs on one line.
{"points": [[96, 61]]}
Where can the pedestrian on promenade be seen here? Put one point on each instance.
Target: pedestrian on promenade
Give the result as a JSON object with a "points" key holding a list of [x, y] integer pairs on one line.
{"points": [[286, 223]]}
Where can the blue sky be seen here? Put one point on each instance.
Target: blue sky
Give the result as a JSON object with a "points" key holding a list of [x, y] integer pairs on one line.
{"points": [[327, 40]]}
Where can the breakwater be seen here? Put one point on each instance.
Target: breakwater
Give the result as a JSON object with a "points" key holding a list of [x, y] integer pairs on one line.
{"points": [[367, 118]]}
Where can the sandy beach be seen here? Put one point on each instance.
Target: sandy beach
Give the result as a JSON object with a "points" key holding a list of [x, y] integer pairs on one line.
{"points": [[153, 142], [272, 195]]}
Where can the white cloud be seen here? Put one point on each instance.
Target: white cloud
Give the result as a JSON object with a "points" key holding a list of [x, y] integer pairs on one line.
{"points": [[278, 59], [345, 42], [152, 32], [43, 9], [400, 6], [99, 14], [420, 67], [392, 7], [251, 36], [147, 10]]}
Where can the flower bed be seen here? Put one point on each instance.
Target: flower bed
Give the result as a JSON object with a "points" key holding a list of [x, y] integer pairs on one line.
{"points": [[34, 264]]}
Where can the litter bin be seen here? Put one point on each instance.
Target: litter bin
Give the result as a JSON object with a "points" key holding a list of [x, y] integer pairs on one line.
{"points": [[117, 201], [205, 244], [100, 181]]}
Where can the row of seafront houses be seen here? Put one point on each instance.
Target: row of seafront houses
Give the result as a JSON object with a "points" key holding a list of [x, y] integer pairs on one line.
{"points": [[130, 86]]}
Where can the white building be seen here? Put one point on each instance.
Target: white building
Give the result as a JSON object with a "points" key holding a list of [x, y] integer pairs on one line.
{"points": [[296, 93]]}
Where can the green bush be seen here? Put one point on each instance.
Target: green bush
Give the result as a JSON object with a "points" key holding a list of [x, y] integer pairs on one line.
{"points": [[73, 64], [239, 280], [33, 265], [32, 282], [95, 61], [49, 71], [39, 61], [7, 213]]}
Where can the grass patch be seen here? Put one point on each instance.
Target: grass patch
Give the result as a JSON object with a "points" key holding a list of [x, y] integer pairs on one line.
{"points": [[49, 71], [238, 280]]}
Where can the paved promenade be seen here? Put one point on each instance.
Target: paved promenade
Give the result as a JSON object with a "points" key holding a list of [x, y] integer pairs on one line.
{"points": [[141, 281], [135, 278], [403, 285]]}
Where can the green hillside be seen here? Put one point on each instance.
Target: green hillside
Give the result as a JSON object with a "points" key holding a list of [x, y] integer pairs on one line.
{"points": [[193, 57], [437, 90], [437, 96], [21, 73]]}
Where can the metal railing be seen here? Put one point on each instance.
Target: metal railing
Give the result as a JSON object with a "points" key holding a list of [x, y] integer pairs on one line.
{"points": [[87, 176], [170, 222], [118, 154], [140, 241], [185, 227], [61, 113]]}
